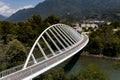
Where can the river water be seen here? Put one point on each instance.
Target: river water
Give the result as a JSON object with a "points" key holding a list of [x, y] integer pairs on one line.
{"points": [[77, 62]]}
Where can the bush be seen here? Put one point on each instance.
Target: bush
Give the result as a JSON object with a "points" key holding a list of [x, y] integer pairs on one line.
{"points": [[112, 47], [95, 46], [92, 73], [15, 53]]}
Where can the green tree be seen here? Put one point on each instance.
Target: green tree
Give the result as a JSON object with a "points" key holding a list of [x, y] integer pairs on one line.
{"points": [[37, 24], [92, 73], [116, 24], [105, 33], [104, 41], [15, 53], [112, 47], [118, 34], [58, 74], [25, 34], [6, 30], [55, 74], [2, 58], [95, 46], [52, 19]]}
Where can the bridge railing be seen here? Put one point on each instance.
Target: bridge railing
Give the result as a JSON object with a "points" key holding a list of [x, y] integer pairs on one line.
{"points": [[58, 33], [46, 64], [63, 37], [17, 68]]}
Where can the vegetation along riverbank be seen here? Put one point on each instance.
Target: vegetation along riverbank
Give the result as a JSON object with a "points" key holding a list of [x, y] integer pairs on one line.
{"points": [[15, 38]]}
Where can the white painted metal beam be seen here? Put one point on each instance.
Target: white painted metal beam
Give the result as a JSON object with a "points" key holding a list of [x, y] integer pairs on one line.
{"points": [[48, 46], [66, 34], [42, 51], [57, 39], [70, 34], [53, 42], [61, 37], [34, 60], [61, 60]]}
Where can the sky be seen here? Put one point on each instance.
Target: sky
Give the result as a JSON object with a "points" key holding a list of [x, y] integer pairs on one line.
{"points": [[8, 7]]}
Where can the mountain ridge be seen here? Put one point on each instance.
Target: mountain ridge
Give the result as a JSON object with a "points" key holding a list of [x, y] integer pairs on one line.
{"points": [[2, 17], [77, 9]]}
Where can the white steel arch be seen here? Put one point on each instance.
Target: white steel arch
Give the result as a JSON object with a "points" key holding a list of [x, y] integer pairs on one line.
{"points": [[67, 42], [74, 33]]}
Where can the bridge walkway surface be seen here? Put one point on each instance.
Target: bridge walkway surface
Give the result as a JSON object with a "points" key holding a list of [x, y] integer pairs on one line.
{"points": [[74, 43]]}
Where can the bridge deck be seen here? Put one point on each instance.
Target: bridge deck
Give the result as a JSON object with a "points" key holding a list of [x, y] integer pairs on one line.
{"points": [[39, 68]]}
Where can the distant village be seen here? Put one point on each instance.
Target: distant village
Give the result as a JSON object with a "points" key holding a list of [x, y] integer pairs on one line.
{"points": [[89, 24]]}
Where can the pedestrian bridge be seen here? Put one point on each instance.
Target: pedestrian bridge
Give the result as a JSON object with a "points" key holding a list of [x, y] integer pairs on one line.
{"points": [[56, 44]]}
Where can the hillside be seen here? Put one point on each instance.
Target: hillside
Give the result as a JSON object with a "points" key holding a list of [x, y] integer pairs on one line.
{"points": [[2, 17], [72, 10]]}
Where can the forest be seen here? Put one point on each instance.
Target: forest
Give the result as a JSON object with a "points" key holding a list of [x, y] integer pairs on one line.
{"points": [[17, 38], [90, 73], [105, 40]]}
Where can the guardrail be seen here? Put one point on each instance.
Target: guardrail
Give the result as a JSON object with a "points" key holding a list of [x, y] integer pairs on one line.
{"points": [[41, 66], [67, 42], [19, 67]]}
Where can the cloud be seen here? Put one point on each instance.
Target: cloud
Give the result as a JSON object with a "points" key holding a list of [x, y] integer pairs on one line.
{"points": [[6, 10], [26, 7]]}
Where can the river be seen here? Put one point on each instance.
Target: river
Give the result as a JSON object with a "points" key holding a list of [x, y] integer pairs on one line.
{"points": [[76, 63]]}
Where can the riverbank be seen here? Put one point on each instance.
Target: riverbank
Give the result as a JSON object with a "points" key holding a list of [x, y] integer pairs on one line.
{"points": [[105, 65], [100, 56]]}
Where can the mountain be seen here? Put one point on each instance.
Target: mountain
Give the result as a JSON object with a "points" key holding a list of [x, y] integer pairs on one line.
{"points": [[2, 17], [72, 10]]}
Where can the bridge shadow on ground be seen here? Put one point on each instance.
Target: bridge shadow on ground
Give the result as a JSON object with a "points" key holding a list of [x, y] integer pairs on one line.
{"points": [[72, 62]]}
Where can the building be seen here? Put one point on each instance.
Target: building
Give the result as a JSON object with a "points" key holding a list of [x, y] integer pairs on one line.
{"points": [[88, 25], [78, 29]]}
